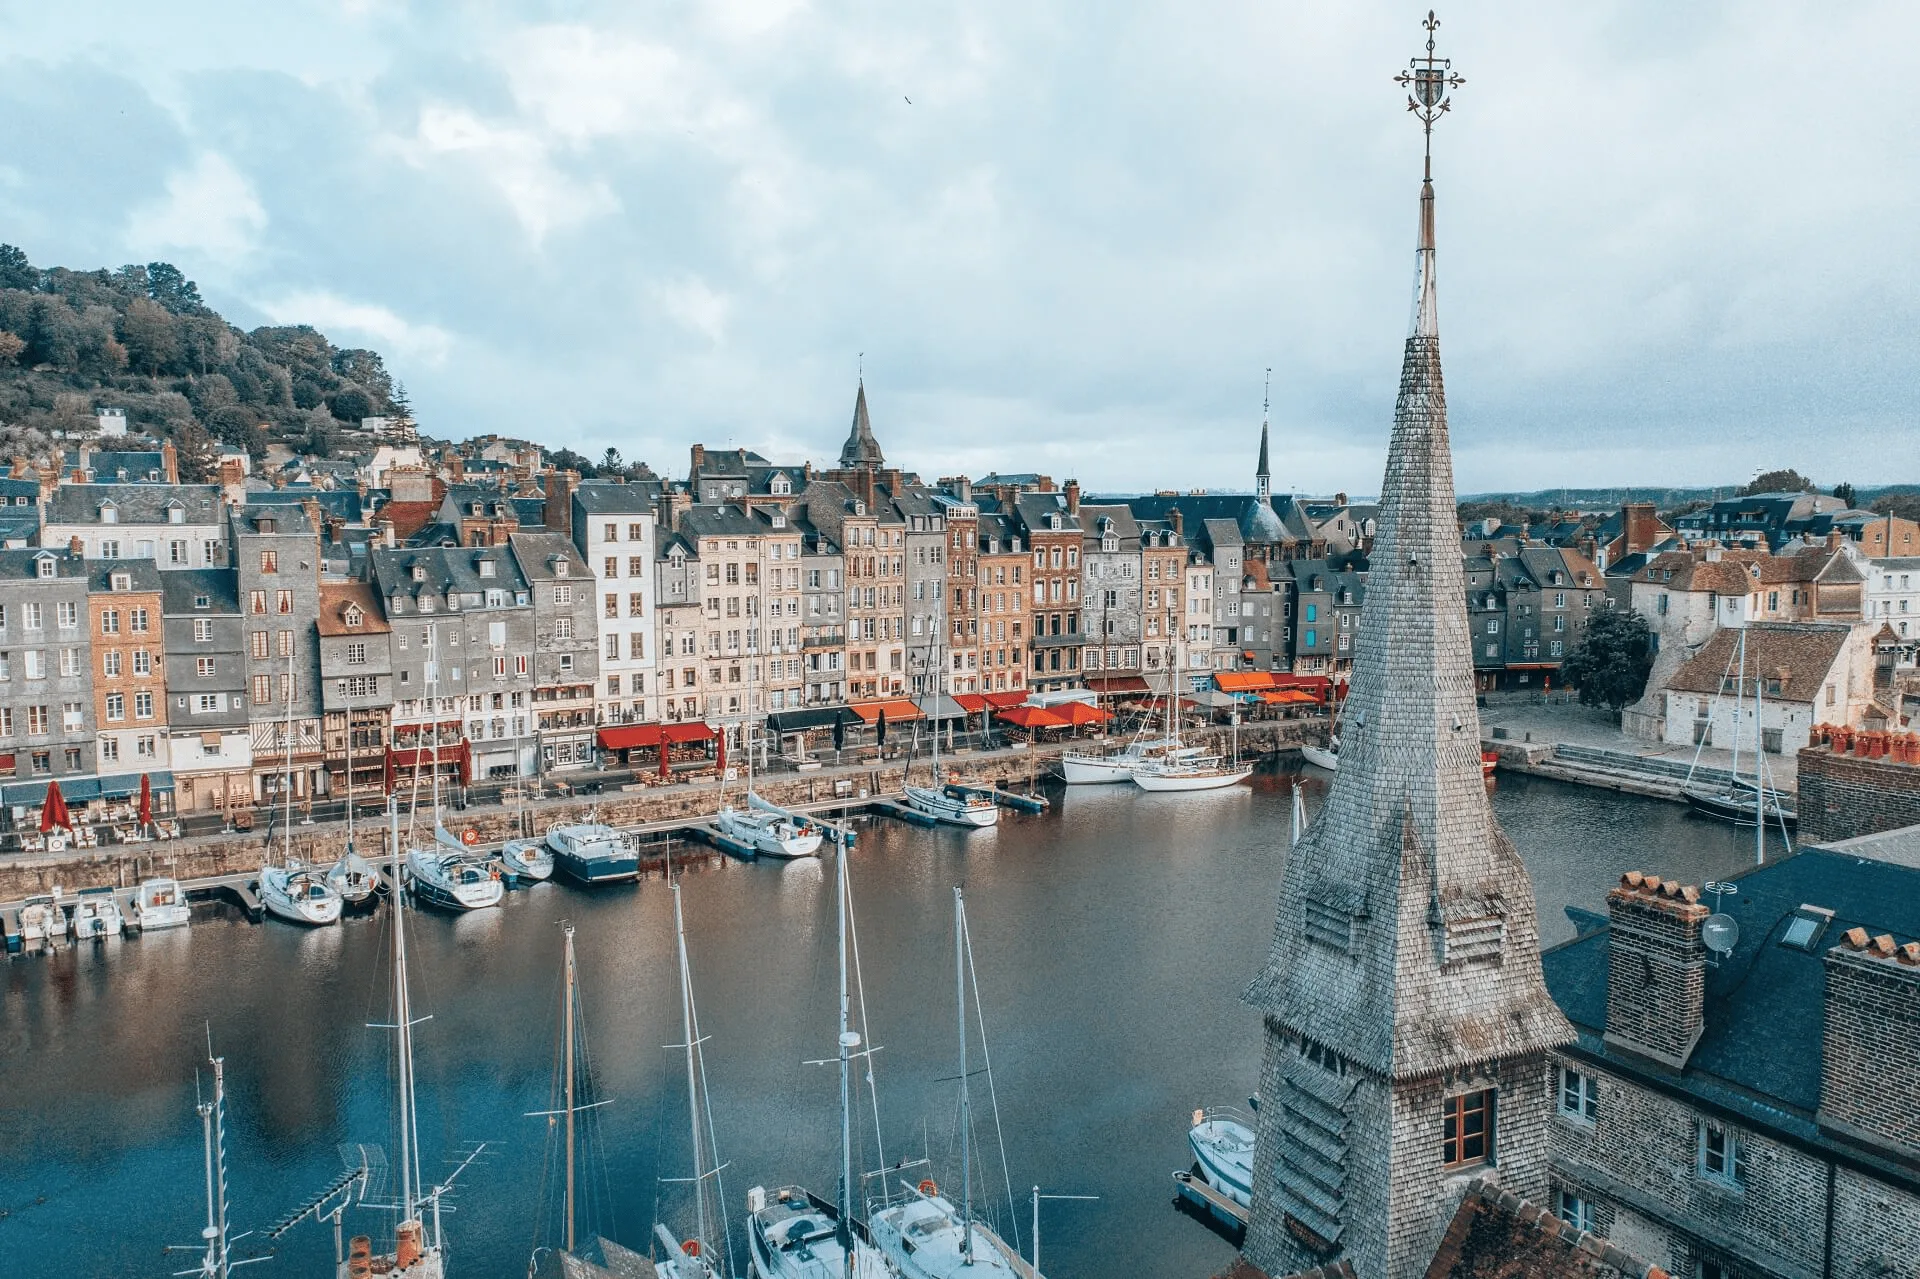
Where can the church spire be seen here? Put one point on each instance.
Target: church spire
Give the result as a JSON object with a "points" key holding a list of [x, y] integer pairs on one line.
{"points": [[1406, 952], [1263, 477], [861, 449]]}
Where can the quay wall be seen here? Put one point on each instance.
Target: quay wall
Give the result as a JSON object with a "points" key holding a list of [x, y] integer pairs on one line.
{"points": [[124, 865]]}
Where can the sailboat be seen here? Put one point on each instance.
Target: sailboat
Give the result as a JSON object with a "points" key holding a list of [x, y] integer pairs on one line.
{"points": [[791, 1232], [1328, 756], [767, 828], [1738, 800], [447, 873], [419, 1245], [968, 808], [693, 1258], [1188, 769], [1092, 768], [352, 876], [924, 1236], [289, 888], [216, 1247]]}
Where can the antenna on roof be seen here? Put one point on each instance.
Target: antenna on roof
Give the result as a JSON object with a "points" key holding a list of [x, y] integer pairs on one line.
{"points": [[1719, 932]]}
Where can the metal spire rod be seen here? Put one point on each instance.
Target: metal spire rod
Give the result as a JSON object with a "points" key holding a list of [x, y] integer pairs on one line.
{"points": [[848, 1042], [1429, 81]]}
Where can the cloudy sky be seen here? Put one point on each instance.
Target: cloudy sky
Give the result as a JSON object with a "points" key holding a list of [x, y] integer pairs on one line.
{"points": [[1676, 239]]}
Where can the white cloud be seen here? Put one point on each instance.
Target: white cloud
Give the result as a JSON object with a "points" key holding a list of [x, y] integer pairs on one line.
{"points": [[344, 321], [516, 162], [693, 304], [209, 208]]}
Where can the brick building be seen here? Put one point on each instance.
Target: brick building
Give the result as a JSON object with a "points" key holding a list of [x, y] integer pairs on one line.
{"points": [[1001, 572], [1053, 528], [356, 687], [124, 618]]}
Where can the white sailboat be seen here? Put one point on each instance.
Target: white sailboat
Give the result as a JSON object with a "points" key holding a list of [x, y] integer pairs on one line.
{"points": [[1328, 756], [160, 903], [216, 1247], [446, 873], [1094, 768], [1189, 770], [969, 808], [352, 876], [767, 828], [925, 1236], [792, 1233], [694, 1257], [290, 889]]}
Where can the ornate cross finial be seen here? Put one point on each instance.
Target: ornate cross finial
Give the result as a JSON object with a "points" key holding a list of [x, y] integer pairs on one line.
{"points": [[1266, 396], [1429, 81]]}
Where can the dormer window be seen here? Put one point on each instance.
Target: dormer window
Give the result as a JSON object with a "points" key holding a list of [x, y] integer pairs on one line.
{"points": [[426, 603], [1053, 521], [779, 520], [353, 616], [860, 508], [560, 568], [109, 513], [176, 513], [781, 486], [418, 573], [122, 582], [45, 567], [486, 568], [265, 524], [203, 601]]}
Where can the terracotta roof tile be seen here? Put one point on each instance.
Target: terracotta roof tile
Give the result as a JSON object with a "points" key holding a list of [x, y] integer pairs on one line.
{"points": [[1495, 1234], [1800, 656]]}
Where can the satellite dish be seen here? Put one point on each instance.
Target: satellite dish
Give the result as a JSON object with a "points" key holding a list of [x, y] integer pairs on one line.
{"points": [[1720, 933]]}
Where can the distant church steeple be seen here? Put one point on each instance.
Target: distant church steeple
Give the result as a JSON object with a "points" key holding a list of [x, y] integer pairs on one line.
{"points": [[1407, 1023], [861, 449], [1263, 477]]}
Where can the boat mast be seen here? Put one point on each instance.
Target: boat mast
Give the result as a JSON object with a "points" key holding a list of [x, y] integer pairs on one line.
{"points": [[213, 1135], [402, 1027], [286, 842], [693, 1094], [847, 1042], [1759, 770], [966, 1119], [567, 1016], [1739, 704]]}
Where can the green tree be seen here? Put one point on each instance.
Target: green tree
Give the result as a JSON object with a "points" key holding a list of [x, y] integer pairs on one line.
{"points": [[1902, 506], [1784, 481], [150, 336], [169, 286], [1611, 665], [611, 463], [195, 452], [568, 460], [15, 271], [1845, 492], [350, 404]]}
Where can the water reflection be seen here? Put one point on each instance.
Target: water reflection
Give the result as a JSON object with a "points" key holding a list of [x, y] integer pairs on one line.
{"points": [[1113, 936]]}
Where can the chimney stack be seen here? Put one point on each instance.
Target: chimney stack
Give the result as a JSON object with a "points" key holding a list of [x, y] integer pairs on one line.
{"points": [[560, 486], [170, 462], [698, 455], [1178, 519], [1656, 968], [1073, 497], [1638, 526], [1869, 1073]]}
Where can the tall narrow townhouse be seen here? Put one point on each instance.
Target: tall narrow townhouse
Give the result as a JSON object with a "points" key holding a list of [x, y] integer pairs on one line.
{"points": [[1113, 597], [823, 623], [276, 552], [124, 617], [356, 687], [46, 684], [616, 529], [566, 647], [962, 592], [744, 593], [849, 523], [1163, 606], [1053, 529], [924, 585], [1001, 571], [205, 641]]}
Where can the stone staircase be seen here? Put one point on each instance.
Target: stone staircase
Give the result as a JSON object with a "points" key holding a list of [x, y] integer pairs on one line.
{"points": [[1664, 772]]}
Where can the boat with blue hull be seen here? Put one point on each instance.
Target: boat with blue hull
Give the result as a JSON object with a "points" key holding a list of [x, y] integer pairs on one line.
{"points": [[593, 853]]}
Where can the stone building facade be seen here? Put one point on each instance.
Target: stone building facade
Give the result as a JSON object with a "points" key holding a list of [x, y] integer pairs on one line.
{"points": [[1112, 586], [567, 646], [1051, 522], [211, 746], [356, 687], [124, 618], [276, 554], [615, 528], [1001, 571], [47, 727]]}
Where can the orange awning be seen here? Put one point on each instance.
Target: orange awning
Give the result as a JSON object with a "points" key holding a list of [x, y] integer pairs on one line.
{"points": [[1289, 697], [1242, 681], [1111, 684], [971, 703], [1000, 701], [1032, 717], [1080, 713], [898, 710]]}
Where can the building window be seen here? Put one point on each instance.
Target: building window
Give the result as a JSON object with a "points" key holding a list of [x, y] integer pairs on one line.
{"points": [[356, 654], [203, 667], [1723, 1156], [137, 621], [147, 746], [256, 602], [1579, 1095], [109, 750], [110, 621], [42, 763], [260, 645], [142, 662], [209, 703], [563, 628], [68, 614], [1467, 1129], [262, 690], [110, 663], [116, 706], [203, 630], [283, 601], [70, 717], [1574, 1210], [269, 561], [143, 705], [611, 606]]}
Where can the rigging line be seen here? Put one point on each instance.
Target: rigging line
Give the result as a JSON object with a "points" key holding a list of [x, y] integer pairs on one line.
{"points": [[1701, 745], [993, 1094], [713, 1145], [866, 1031]]}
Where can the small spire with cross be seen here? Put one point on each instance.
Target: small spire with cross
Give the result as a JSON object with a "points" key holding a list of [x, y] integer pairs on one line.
{"points": [[1429, 82]]}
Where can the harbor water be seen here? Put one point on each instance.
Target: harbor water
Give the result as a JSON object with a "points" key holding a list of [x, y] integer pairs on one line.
{"points": [[1112, 937]]}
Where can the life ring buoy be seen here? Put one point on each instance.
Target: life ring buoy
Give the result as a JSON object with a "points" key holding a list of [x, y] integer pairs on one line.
{"points": [[928, 1187], [469, 836], [691, 1247]]}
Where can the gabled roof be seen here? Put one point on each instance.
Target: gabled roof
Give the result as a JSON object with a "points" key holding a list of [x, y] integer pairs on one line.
{"points": [[1495, 1234], [1036, 512], [539, 551], [339, 599], [598, 498], [142, 575], [1799, 655], [444, 568], [22, 563], [133, 503], [344, 503]]}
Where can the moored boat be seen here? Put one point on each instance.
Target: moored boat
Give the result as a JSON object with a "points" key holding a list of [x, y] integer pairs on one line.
{"points": [[160, 903], [527, 859], [97, 914], [966, 809], [353, 878], [770, 833], [1208, 772], [299, 894], [593, 853], [42, 920], [1222, 1144], [453, 880], [794, 1234], [1327, 757], [1087, 768], [1741, 805]]}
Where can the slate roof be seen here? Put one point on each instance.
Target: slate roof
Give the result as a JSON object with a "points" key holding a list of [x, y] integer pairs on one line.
{"points": [[1759, 1054], [336, 597], [597, 498], [1799, 654], [1495, 1234], [537, 550], [444, 568], [137, 465], [724, 519], [530, 511], [136, 503], [861, 449], [1096, 519], [1200, 510], [1035, 509], [20, 564], [344, 503], [182, 586], [11, 488], [143, 575]]}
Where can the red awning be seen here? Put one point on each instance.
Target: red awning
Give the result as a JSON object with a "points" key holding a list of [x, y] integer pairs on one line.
{"points": [[1031, 717], [1080, 713], [681, 734], [1111, 684], [999, 701], [626, 737], [898, 710], [1242, 681], [409, 757], [971, 703]]}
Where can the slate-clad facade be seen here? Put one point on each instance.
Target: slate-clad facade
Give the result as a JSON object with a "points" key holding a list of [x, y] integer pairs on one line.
{"points": [[46, 682], [207, 687]]}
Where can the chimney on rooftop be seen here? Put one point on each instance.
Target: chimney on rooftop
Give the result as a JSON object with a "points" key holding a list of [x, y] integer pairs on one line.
{"points": [[1178, 519], [559, 513], [76, 546], [1639, 526], [1869, 1073], [698, 456], [22, 469], [170, 462], [1073, 497], [1656, 968]]}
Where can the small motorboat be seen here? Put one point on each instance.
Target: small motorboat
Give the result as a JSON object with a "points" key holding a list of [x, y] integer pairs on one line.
{"points": [[1222, 1142], [299, 894], [793, 1234], [1489, 760], [96, 915], [454, 879], [965, 809], [770, 832], [1327, 757], [593, 853], [1207, 772], [353, 877], [527, 859], [42, 921], [160, 903]]}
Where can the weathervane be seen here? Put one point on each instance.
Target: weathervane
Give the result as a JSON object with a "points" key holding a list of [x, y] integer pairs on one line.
{"points": [[1429, 81]]}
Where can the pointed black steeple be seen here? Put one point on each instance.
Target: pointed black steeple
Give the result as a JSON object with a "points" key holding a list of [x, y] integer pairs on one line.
{"points": [[861, 449]]}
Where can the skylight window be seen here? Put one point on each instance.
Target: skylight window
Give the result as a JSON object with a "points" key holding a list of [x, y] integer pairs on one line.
{"points": [[1805, 927]]}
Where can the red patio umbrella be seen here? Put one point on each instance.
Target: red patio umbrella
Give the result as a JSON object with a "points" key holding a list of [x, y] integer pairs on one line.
{"points": [[1032, 717], [146, 801], [1080, 713], [54, 811]]}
